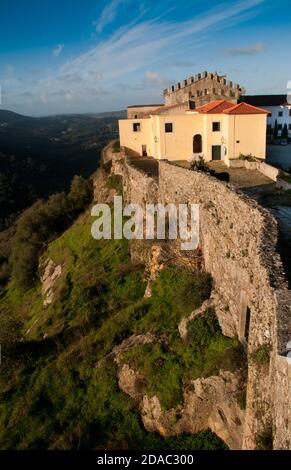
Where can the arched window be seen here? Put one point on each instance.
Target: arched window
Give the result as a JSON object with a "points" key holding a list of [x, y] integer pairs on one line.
{"points": [[197, 143]]}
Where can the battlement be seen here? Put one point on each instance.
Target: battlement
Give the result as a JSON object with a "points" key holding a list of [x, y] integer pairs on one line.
{"points": [[203, 88]]}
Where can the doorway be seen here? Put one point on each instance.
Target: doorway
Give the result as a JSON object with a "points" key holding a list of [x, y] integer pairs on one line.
{"points": [[197, 143], [144, 151], [216, 152]]}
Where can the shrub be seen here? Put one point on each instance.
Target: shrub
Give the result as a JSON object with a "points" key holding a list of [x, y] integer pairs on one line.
{"points": [[107, 166], [261, 355], [40, 224], [116, 146], [286, 178], [115, 182], [199, 165], [264, 440], [80, 194], [249, 157]]}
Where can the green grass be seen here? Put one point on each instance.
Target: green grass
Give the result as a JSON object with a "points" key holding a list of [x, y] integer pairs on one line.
{"points": [[261, 355], [286, 178], [115, 182], [172, 363], [52, 396]]}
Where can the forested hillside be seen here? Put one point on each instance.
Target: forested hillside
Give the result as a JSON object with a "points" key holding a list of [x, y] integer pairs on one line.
{"points": [[39, 156]]}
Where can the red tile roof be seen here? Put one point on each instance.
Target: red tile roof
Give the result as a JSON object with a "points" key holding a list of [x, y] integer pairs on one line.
{"points": [[244, 108], [215, 107], [227, 107]]}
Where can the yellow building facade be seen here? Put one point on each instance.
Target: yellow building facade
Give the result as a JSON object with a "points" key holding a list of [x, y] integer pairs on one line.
{"points": [[218, 130]]}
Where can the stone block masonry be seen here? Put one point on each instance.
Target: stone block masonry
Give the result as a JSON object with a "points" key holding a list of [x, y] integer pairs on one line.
{"points": [[202, 89], [238, 240]]}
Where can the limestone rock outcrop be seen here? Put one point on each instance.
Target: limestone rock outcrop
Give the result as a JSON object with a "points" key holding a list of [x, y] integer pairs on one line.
{"points": [[208, 403], [51, 273]]}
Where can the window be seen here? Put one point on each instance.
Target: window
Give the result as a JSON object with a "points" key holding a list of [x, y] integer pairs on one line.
{"points": [[168, 127], [197, 143], [216, 126], [280, 127], [289, 127], [135, 116], [289, 112], [136, 127], [270, 114], [280, 113], [247, 324]]}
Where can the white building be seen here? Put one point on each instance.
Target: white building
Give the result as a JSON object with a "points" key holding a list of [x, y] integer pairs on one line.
{"points": [[278, 107]]}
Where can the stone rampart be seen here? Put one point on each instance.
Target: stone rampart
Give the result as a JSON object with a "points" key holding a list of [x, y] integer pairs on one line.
{"points": [[238, 240]]}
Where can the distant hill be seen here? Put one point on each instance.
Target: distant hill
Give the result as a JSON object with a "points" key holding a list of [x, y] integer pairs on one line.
{"points": [[40, 156], [10, 116], [117, 114]]}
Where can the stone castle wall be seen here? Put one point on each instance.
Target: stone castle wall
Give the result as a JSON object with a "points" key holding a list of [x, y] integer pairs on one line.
{"points": [[238, 240], [203, 88]]}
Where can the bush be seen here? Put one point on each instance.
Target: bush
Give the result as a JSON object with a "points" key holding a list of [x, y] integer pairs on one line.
{"points": [[80, 194], [116, 146], [115, 182], [261, 355], [264, 440], [249, 157], [199, 165], [42, 223]]}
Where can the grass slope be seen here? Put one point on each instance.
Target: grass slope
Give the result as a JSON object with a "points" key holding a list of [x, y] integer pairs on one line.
{"points": [[52, 396]]}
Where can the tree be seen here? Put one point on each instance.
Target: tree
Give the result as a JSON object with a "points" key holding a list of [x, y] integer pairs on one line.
{"points": [[42, 223], [284, 134], [81, 191], [275, 133]]}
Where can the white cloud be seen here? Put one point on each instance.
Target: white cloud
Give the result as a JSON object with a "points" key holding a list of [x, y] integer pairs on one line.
{"points": [[132, 55], [247, 50], [156, 79], [58, 50], [109, 14]]}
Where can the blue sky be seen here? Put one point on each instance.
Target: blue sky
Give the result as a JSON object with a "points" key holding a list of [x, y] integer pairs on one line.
{"points": [[65, 56]]}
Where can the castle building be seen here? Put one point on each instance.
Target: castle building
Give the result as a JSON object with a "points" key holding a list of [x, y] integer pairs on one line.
{"points": [[184, 129], [203, 88]]}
